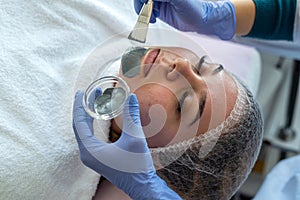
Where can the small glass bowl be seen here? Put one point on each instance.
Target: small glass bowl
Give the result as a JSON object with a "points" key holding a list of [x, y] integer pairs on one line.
{"points": [[104, 98]]}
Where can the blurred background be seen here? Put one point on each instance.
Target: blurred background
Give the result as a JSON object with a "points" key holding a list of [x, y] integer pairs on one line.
{"points": [[278, 95]]}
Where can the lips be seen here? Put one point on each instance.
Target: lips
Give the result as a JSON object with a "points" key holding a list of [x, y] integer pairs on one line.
{"points": [[149, 60]]}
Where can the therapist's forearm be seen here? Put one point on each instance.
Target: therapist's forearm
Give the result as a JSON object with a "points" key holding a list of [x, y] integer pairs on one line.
{"points": [[265, 19], [245, 16]]}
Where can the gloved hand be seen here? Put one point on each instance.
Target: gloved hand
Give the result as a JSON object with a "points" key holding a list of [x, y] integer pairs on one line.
{"points": [[127, 163], [204, 17]]}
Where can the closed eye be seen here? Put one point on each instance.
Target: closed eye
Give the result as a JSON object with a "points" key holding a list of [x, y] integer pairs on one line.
{"points": [[181, 102]]}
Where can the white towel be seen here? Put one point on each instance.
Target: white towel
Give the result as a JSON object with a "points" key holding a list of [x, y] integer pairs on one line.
{"points": [[42, 46]]}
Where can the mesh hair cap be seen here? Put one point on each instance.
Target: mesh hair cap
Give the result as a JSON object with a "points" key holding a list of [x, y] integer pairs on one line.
{"points": [[214, 165]]}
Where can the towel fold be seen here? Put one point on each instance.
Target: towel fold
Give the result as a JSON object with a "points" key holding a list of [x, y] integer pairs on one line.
{"points": [[42, 46]]}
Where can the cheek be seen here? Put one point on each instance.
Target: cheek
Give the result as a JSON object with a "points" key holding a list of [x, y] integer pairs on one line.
{"points": [[153, 98], [133, 82], [158, 113]]}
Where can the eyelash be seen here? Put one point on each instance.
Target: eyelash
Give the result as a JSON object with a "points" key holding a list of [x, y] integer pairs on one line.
{"points": [[199, 65], [181, 101]]}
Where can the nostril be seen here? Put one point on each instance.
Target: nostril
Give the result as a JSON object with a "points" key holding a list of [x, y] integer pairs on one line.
{"points": [[172, 67], [181, 62], [182, 65], [172, 73]]}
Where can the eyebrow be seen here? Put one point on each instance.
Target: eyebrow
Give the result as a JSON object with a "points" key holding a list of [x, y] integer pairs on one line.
{"points": [[202, 102], [217, 70]]}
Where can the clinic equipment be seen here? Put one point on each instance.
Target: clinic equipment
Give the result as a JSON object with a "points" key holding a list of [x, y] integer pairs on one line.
{"points": [[139, 32], [283, 181], [281, 139], [110, 102]]}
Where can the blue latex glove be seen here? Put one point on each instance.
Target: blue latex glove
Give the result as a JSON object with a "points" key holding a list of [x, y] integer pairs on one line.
{"points": [[127, 163], [204, 17]]}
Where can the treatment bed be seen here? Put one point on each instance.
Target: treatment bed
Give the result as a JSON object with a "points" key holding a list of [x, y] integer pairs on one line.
{"points": [[43, 44]]}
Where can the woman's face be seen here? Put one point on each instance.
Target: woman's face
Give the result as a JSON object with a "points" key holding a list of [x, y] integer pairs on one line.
{"points": [[180, 95]]}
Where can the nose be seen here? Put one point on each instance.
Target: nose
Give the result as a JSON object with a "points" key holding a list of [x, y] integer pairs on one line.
{"points": [[181, 67]]}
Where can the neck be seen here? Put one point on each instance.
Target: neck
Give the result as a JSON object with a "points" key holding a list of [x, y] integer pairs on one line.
{"points": [[106, 190], [114, 131]]}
